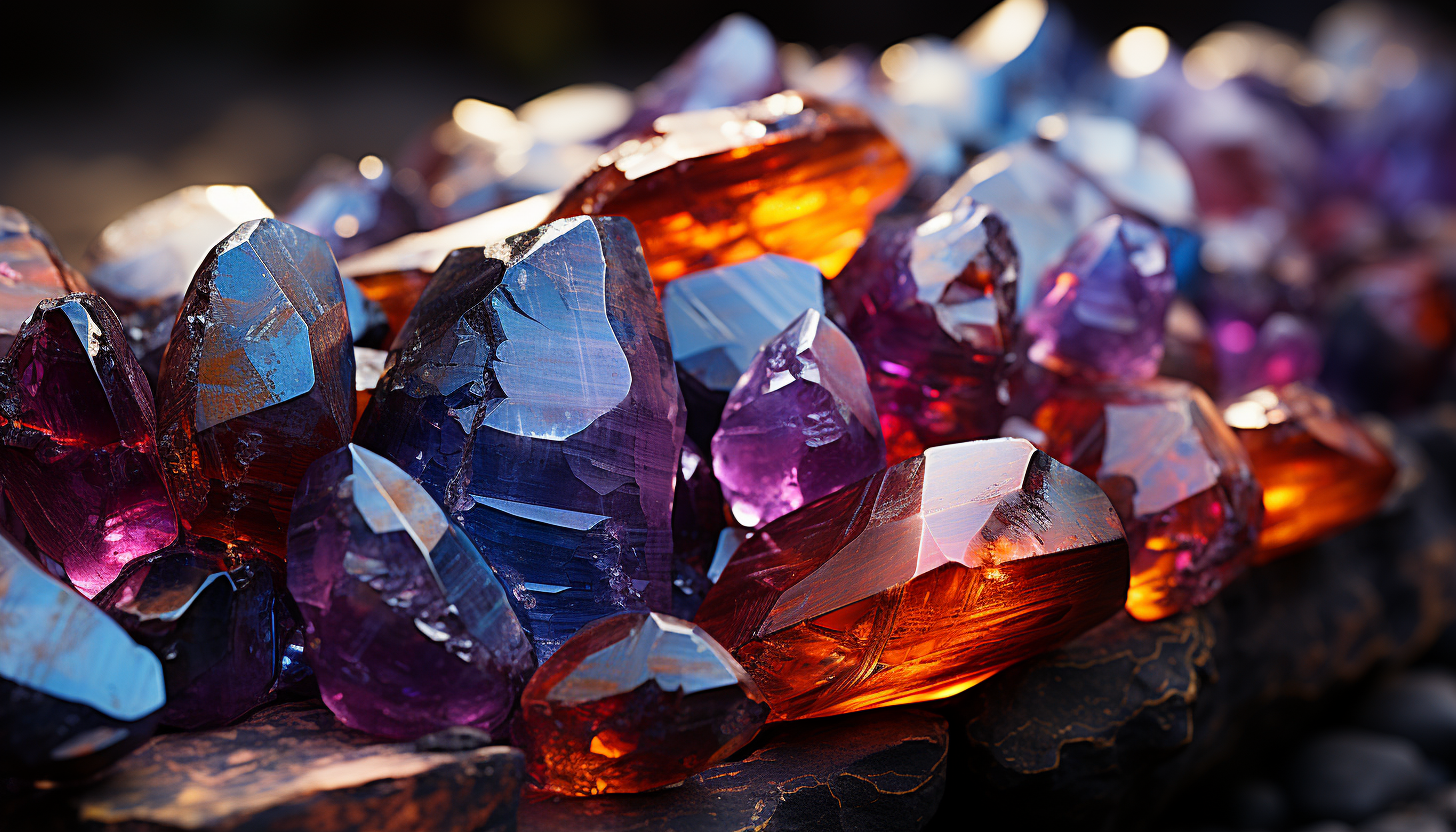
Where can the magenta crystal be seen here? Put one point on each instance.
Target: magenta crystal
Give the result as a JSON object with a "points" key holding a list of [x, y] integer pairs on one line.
{"points": [[799, 424], [78, 448]]}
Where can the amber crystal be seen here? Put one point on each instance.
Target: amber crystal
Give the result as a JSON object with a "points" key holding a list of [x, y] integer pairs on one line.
{"points": [[31, 270], [920, 581], [632, 702], [1320, 470], [783, 175]]}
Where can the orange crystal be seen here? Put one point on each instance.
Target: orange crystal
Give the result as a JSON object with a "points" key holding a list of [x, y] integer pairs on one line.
{"points": [[1321, 471], [920, 581], [785, 175]]}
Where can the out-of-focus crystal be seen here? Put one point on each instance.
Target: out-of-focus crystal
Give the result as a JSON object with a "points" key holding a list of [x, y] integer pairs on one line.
{"points": [[353, 206], [31, 270]]}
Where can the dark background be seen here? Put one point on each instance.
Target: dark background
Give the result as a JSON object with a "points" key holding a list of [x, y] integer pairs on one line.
{"points": [[106, 108]]}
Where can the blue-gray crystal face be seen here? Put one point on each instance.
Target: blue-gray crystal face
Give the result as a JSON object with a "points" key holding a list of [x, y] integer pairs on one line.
{"points": [[533, 394]]}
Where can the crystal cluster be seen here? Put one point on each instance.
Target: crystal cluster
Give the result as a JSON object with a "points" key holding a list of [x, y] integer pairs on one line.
{"points": [[31, 270]]}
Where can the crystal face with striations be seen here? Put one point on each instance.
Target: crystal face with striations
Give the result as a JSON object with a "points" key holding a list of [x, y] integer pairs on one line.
{"points": [[633, 702], [76, 693], [920, 581], [78, 444], [31, 270], [928, 301], [1320, 470], [1180, 480], [533, 394], [784, 175], [799, 424], [243, 408], [409, 631]]}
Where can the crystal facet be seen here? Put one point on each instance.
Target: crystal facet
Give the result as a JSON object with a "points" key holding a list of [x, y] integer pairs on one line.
{"points": [[921, 581], [78, 442], [31, 270], [533, 394], [409, 630], [632, 702], [257, 383]]}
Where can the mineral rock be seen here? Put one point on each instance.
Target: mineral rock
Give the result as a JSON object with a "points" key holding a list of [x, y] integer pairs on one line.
{"points": [[352, 206], [920, 581], [78, 446], [31, 270], [258, 382], [409, 630], [633, 702], [533, 394]]}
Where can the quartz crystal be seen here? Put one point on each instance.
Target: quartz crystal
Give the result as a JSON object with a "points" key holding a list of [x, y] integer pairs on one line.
{"points": [[928, 301], [718, 318], [533, 394], [76, 693], [31, 270], [353, 206], [221, 622], [1320, 470], [1181, 482], [78, 442], [409, 631], [920, 581], [633, 702], [799, 424], [243, 408], [785, 175], [1099, 313]]}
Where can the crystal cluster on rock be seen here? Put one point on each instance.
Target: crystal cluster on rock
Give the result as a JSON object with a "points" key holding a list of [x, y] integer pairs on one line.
{"points": [[31, 270], [799, 424], [257, 383], [1321, 471], [928, 300], [533, 394], [78, 442], [633, 702], [920, 581], [409, 630], [221, 622]]}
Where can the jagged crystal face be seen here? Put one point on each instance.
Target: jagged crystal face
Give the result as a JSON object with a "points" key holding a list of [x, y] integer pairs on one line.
{"points": [[533, 394], [257, 383], [31, 270], [718, 318], [920, 581], [409, 630], [633, 702]]}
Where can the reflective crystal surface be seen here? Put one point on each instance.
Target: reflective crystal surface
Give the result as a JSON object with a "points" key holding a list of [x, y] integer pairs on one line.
{"points": [[783, 175], [533, 394], [920, 581], [633, 702], [698, 515], [1135, 169], [78, 442], [928, 301], [718, 318], [220, 621], [31, 270], [257, 383], [799, 424], [409, 631], [353, 206]]}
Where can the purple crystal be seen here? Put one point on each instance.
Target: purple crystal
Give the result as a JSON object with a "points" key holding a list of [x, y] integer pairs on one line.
{"points": [[799, 424], [409, 630], [1099, 313], [1283, 349], [78, 448], [352, 206], [533, 394], [220, 621]]}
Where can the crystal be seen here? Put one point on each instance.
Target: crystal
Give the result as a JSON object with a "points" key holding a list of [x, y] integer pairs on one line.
{"points": [[1284, 348], [697, 518], [718, 318], [368, 367], [220, 621], [928, 301], [78, 442], [76, 693], [409, 630], [1099, 313], [1182, 484], [31, 270], [533, 394], [368, 324], [1320, 470], [1138, 170], [353, 206], [1188, 351], [633, 702], [242, 408], [920, 581], [799, 424], [785, 175]]}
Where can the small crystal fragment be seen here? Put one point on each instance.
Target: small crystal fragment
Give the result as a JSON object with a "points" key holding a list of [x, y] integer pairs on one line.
{"points": [[633, 702], [368, 367], [31, 270]]}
